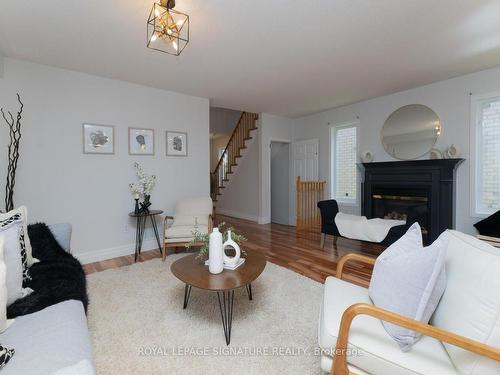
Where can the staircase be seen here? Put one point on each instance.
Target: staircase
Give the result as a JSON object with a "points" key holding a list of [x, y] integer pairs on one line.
{"points": [[228, 160]]}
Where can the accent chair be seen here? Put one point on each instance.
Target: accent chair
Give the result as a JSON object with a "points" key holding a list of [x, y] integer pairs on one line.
{"points": [[462, 337], [191, 215]]}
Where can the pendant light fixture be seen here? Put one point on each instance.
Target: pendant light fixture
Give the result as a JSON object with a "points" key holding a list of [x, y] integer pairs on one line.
{"points": [[168, 29]]}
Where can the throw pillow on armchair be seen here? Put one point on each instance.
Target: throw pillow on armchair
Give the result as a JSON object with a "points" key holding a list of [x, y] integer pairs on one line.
{"points": [[409, 280]]}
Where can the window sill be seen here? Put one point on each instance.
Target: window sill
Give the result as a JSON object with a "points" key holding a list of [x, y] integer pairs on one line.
{"points": [[482, 215], [347, 203]]}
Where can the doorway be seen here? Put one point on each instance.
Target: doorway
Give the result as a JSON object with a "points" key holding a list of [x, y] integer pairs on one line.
{"points": [[280, 182]]}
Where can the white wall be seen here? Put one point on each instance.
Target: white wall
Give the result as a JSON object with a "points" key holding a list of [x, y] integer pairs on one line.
{"points": [[271, 128], [449, 99], [222, 120], [59, 183], [222, 123], [280, 182], [248, 194], [2, 62], [240, 198]]}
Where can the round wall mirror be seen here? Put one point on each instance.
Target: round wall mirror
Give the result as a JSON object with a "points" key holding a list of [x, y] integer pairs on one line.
{"points": [[411, 132]]}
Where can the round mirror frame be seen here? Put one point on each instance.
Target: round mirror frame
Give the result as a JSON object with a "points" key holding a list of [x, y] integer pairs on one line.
{"points": [[437, 127]]}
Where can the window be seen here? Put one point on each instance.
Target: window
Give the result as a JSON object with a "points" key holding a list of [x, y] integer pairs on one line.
{"points": [[486, 145], [344, 169], [224, 167]]}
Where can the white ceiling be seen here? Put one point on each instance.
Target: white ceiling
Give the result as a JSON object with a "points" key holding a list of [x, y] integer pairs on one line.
{"points": [[286, 57]]}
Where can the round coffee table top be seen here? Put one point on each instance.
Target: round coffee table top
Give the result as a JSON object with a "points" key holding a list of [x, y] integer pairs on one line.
{"points": [[193, 272]]}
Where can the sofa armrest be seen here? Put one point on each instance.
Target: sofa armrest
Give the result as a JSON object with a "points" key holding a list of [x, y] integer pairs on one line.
{"points": [[339, 366], [352, 257], [62, 233]]}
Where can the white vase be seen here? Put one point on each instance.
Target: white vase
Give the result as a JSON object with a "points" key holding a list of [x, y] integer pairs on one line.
{"points": [[231, 261], [215, 252]]}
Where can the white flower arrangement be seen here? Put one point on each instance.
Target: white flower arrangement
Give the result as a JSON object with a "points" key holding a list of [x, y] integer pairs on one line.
{"points": [[145, 184]]}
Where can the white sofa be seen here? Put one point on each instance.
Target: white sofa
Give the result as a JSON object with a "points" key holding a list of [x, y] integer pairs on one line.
{"points": [[54, 340], [468, 314], [191, 215]]}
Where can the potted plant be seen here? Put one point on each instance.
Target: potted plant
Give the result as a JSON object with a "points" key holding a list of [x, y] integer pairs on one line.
{"points": [[201, 240], [142, 188]]}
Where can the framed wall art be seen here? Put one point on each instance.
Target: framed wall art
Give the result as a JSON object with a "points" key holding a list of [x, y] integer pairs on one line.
{"points": [[141, 141], [98, 139], [176, 143]]}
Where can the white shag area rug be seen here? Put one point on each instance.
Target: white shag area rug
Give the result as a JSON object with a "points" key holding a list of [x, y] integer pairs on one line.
{"points": [[138, 326]]}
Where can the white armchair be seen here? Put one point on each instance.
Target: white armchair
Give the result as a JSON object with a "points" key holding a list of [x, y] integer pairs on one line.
{"points": [[463, 336], [190, 215]]}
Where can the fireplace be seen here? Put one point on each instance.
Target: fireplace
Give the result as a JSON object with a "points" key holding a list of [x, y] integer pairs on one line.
{"points": [[416, 191], [398, 203]]}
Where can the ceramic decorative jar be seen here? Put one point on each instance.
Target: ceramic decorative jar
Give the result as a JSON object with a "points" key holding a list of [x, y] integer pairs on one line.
{"points": [[230, 243], [215, 252]]}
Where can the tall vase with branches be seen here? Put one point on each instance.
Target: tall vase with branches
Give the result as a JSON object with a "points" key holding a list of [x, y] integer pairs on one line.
{"points": [[142, 188], [13, 152]]}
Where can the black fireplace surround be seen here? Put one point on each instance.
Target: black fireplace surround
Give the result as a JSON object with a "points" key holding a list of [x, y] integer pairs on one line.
{"points": [[416, 190]]}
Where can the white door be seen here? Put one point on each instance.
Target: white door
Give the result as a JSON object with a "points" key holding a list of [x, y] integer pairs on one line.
{"points": [[305, 156]]}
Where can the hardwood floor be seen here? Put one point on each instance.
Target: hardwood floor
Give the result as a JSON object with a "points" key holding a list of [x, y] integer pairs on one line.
{"points": [[284, 246]]}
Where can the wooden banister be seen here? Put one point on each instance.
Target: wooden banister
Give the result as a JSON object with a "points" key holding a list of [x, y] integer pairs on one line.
{"points": [[309, 193], [236, 143], [229, 143]]}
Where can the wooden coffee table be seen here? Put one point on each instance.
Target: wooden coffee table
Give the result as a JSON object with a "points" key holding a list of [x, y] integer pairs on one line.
{"points": [[194, 273]]}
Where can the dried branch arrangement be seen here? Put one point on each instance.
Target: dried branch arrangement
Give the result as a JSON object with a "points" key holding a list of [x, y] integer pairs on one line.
{"points": [[13, 150]]}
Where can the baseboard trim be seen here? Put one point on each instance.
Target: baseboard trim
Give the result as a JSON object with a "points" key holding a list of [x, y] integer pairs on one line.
{"points": [[114, 252], [264, 220], [236, 214]]}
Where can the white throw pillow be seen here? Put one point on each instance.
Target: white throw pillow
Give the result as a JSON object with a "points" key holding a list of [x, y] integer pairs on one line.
{"points": [[27, 244], [12, 257], [409, 279], [4, 323], [24, 240]]}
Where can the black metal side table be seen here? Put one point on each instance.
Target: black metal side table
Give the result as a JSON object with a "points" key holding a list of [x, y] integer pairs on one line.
{"points": [[141, 219]]}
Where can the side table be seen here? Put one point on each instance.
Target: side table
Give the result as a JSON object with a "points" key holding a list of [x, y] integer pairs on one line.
{"points": [[141, 219]]}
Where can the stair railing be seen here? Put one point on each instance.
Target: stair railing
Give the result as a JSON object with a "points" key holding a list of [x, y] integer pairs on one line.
{"points": [[309, 193], [227, 161]]}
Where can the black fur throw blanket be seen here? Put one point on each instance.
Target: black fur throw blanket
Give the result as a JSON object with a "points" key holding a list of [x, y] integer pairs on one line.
{"points": [[57, 277]]}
